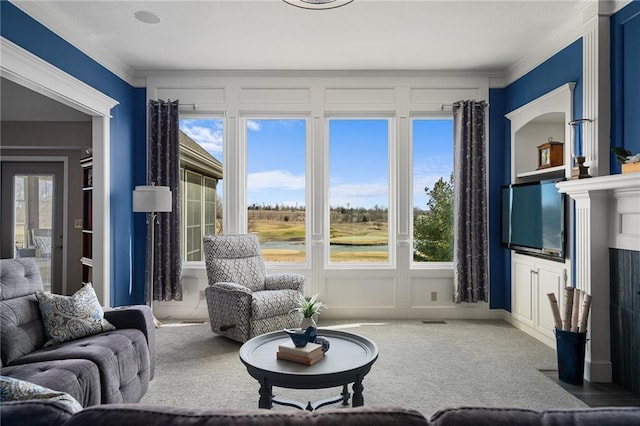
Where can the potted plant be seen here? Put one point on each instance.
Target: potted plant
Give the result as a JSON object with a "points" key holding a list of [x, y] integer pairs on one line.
{"points": [[629, 162], [309, 308]]}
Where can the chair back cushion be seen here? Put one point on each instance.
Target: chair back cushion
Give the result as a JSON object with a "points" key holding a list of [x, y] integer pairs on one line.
{"points": [[235, 259], [21, 327]]}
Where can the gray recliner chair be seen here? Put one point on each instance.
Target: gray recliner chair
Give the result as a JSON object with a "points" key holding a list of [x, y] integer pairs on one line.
{"points": [[243, 301]]}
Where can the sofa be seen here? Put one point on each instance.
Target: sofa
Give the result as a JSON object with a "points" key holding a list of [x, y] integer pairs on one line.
{"points": [[52, 413], [113, 366]]}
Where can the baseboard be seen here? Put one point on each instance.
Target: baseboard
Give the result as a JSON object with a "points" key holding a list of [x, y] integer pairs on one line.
{"points": [[529, 330]]}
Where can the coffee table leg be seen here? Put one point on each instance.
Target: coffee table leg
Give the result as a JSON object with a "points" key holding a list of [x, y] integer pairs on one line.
{"points": [[345, 394], [358, 399], [266, 395]]}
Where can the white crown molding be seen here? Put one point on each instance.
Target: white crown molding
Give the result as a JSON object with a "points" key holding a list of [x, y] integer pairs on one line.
{"points": [[546, 49], [26, 69], [45, 13]]}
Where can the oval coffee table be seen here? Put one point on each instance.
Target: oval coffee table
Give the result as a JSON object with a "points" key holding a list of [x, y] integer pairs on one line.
{"points": [[348, 360]]}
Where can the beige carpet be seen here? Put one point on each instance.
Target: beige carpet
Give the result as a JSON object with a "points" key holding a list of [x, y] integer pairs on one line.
{"points": [[426, 367]]}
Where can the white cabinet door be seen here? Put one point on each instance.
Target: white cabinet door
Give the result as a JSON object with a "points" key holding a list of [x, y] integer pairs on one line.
{"points": [[550, 279], [522, 294]]}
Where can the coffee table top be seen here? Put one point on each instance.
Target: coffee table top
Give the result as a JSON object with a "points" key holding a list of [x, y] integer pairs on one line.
{"points": [[349, 355]]}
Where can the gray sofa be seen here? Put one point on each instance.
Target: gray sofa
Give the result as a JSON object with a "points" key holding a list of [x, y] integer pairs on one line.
{"points": [[51, 413], [109, 367]]}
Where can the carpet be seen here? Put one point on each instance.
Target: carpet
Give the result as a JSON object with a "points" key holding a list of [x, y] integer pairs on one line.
{"points": [[426, 366]]}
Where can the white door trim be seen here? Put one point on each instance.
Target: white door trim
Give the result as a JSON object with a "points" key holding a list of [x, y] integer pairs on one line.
{"points": [[24, 68]]}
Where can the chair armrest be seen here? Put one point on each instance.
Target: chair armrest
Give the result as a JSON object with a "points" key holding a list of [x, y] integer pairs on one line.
{"points": [[285, 281], [233, 287], [139, 317]]}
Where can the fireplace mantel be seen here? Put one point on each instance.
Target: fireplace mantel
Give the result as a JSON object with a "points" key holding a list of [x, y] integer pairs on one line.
{"points": [[607, 215]]}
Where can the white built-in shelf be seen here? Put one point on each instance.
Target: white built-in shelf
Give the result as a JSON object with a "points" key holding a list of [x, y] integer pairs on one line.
{"points": [[542, 173], [533, 124]]}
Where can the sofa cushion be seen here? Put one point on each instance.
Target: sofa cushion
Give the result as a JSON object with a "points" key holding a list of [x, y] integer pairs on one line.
{"points": [[122, 358], [34, 413], [21, 329], [486, 416], [79, 378], [139, 414], [19, 277], [12, 389], [71, 317]]}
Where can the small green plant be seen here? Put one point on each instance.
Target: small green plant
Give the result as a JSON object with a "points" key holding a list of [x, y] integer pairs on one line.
{"points": [[308, 307], [624, 155]]}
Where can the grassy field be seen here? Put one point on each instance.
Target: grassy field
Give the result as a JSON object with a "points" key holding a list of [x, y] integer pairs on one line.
{"points": [[358, 234]]}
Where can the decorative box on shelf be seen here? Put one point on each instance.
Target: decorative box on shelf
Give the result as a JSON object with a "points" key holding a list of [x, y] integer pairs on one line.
{"points": [[630, 167], [550, 154]]}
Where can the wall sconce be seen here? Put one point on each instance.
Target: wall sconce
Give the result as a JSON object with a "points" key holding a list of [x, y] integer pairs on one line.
{"points": [[151, 199], [580, 171]]}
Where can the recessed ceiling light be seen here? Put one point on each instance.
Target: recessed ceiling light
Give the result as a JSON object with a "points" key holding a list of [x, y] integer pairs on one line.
{"points": [[317, 4], [147, 17]]}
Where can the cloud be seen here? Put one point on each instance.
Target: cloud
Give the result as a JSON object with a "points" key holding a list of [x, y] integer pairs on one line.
{"points": [[210, 138], [254, 125], [275, 179]]}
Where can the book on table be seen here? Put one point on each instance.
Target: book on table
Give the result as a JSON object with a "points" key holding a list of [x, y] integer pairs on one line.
{"points": [[299, 359], [310, 350]]}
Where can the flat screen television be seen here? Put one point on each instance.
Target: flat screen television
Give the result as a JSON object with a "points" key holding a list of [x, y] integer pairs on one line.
{"points": [[533, 219]]}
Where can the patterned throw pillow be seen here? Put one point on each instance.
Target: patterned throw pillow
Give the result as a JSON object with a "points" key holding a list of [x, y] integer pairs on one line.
{"points": [[19, 390], [71, 317]]}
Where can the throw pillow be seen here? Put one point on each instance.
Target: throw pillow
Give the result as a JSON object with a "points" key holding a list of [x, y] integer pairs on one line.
{"points": [[71, 317], [19, 390]]}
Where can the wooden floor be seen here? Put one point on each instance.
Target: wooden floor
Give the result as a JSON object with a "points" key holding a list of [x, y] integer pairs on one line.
{"points": [[598, 394]]}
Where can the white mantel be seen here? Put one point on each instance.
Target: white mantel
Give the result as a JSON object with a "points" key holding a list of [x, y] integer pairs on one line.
{"points": [[607, 215]]}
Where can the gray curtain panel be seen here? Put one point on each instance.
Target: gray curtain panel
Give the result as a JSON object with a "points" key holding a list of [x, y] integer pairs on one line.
{"points": [[164, 170], [471, 267]]}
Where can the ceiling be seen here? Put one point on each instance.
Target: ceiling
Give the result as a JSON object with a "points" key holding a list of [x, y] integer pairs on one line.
{"points": [[461, 35], [475, 36]]}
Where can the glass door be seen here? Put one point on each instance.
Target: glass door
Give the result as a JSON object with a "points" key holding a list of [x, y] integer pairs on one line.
{"points": [[32, 206]]}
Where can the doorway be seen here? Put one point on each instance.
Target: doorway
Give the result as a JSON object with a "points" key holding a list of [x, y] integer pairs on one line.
{"points": [[32, 218]]}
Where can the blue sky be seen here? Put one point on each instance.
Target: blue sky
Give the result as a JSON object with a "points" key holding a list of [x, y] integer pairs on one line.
{"points": [[358, 158]]}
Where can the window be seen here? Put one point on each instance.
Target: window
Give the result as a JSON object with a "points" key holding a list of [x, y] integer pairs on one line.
{"points": [[276, 187], [201, 183], [359, 190], [432, 141]]}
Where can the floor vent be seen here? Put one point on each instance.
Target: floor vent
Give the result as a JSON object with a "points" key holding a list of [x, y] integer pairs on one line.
{"points": [[433, 322], [192, 322]]}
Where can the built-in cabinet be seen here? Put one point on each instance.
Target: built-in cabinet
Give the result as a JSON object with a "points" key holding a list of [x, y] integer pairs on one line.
{"points": [[87, 219], [532, 280], [536, 123]]}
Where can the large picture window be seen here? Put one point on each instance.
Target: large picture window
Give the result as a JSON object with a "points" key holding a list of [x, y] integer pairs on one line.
{"points": [[201, 182], [276, 187], [359, 190], [432, 143]]}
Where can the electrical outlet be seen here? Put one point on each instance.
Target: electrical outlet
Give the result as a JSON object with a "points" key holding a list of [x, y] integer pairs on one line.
{"points": [[434, 296], [77, 223], [202, 296]]}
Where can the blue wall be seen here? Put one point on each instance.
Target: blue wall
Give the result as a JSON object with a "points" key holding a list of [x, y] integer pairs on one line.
{"points": [[563, 67], [127, 134], [625, 80]]}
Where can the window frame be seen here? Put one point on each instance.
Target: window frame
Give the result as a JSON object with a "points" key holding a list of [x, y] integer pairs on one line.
{"points": [[200, 264], [392, 179], [441, 115], [243, 150]]}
